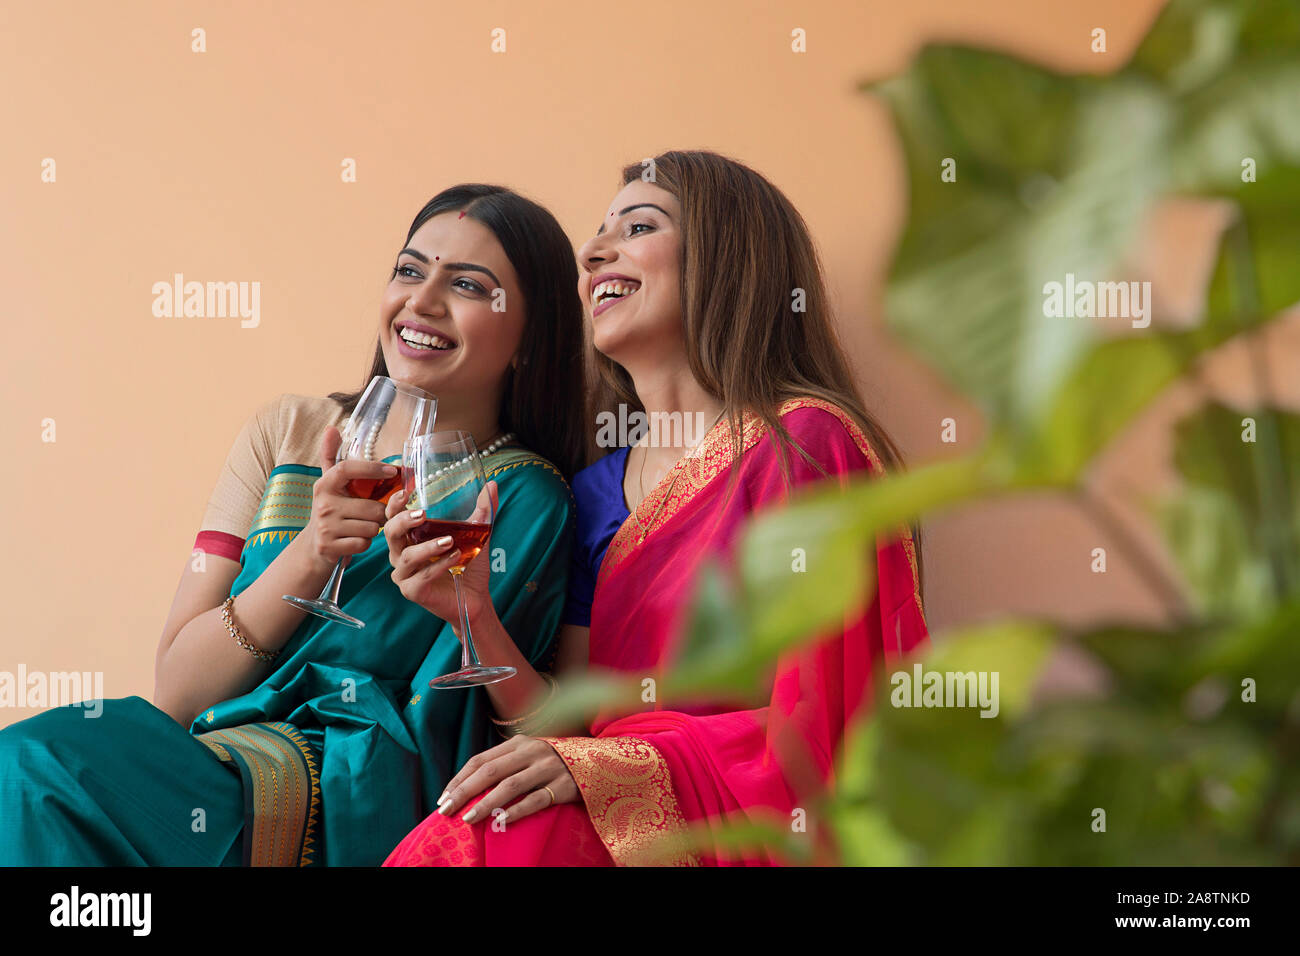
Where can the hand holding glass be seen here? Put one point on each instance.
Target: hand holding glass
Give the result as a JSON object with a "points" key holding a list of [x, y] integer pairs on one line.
{"points": [[445, 479], [388, 414]]}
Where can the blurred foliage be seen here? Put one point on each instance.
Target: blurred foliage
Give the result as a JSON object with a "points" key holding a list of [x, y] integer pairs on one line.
{"points": [[1056, 174], [1189, 737], [1230, 530]]}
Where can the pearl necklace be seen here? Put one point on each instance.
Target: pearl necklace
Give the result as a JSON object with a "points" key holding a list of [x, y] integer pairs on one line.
{"points": [[368, 452], [492, 447]]}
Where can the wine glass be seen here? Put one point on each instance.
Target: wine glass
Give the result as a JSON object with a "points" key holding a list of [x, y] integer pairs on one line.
{"points": [[445, 479], [388, 414]]}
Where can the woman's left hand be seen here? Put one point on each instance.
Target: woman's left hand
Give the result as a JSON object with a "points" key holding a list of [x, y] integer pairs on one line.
{"points": [[420, 570], [521, 769]]}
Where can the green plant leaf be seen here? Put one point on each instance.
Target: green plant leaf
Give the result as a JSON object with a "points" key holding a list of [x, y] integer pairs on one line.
{"points": [[836, 529], [1054, 175], [1015, 651], [719, 654], [1255, 276], [1235, 527], [1190, 43], [1043, 188], [867, 838], [1101, 395], [579, 697]]}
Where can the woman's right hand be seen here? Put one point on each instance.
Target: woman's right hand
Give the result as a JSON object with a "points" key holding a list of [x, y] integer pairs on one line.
{"points": [[342, 524]]}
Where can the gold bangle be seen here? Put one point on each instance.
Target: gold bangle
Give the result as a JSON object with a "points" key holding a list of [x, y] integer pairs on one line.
{"points": [[531, 714], [243, 642]]}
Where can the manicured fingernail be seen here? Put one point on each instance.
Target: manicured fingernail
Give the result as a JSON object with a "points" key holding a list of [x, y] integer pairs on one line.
{"points": [[416, 516], [390, 470], [444, 542], [443, 799], [469, 817], [445, 808]]}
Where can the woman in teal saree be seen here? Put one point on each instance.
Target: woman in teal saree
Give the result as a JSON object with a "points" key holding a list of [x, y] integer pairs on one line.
{"points": [[337, 747]]}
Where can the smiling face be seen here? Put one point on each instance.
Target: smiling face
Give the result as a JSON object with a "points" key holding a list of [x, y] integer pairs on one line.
{"points": [[437, 327], [631, 279]]}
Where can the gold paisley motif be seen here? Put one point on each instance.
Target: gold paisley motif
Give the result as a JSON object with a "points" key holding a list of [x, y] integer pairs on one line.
{"points": [[628, 791], [628, 817], [623, 771]]}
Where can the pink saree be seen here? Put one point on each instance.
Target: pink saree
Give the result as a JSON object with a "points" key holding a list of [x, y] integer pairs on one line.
{"points": [[645, 777]]}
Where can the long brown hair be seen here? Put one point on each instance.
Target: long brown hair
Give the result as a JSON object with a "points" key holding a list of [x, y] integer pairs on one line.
{"points": [[746, 252], [543, 399]]}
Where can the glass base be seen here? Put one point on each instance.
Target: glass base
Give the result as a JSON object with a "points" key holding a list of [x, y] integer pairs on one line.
{"points": [[472, 677], [326, 609]]}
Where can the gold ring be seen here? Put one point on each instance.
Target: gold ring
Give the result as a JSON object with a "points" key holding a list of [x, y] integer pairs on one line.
{"points": [[552, 793]]}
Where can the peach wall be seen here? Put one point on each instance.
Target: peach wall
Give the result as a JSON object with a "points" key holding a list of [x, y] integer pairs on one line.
{"points": [[225, 165]]}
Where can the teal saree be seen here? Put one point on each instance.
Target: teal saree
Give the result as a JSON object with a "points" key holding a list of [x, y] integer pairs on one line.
{"points": [[338, 753]]}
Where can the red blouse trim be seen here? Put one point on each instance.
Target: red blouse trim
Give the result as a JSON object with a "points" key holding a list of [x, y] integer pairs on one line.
{"points": [[220, 543]]}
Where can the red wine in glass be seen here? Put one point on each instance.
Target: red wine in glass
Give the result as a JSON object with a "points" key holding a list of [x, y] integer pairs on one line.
{"points": [[446, 480], [376, 489], [468, 537], [388, 413]]}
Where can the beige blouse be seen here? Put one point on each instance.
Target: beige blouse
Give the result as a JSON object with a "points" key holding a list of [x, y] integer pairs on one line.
{"points": [[286, 430]]}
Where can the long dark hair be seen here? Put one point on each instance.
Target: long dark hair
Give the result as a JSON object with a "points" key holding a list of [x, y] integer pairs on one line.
{"points": [[745, 249], [543, 399]]}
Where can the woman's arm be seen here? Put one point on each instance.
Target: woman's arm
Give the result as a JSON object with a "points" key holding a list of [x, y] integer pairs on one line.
{"points": [[571, 657], [198, 662], [523, 693]]}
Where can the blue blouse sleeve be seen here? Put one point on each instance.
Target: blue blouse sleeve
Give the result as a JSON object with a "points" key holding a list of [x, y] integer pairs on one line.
{"points": [[598, 494]]}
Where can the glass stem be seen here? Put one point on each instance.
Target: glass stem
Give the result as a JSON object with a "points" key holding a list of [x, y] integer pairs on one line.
{"points": [[331, 590], [468, 658]]}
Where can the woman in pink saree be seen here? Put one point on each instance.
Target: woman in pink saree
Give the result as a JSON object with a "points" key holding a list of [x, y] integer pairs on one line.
{"points": [[690, 278]]}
